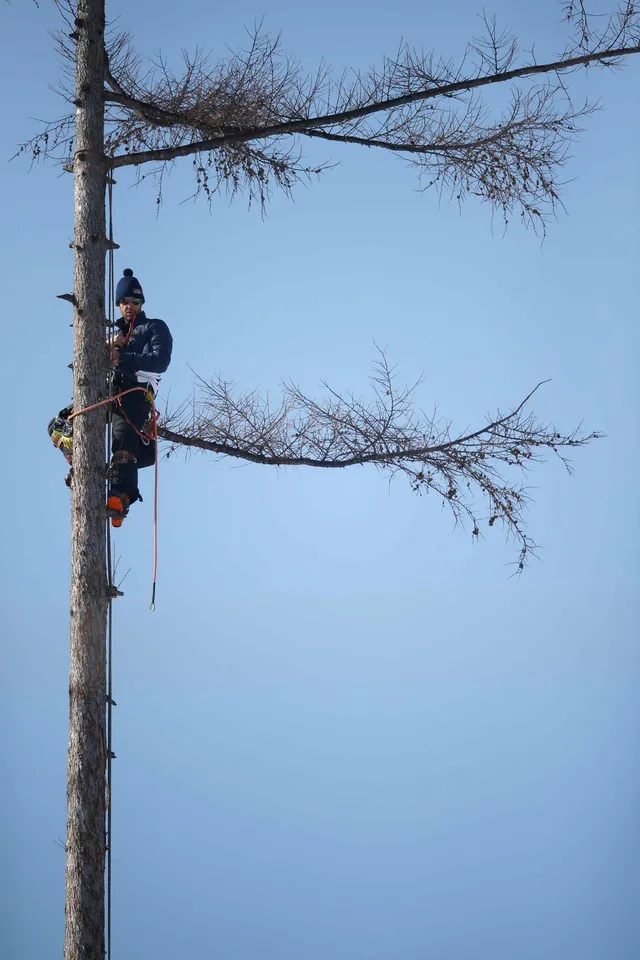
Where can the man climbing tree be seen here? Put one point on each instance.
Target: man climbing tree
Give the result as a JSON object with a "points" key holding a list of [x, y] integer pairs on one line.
{"points": [[242, 122], [140, 353]]}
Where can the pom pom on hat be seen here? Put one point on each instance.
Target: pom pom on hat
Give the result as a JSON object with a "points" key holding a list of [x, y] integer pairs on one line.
{"points": [[128, 286]]}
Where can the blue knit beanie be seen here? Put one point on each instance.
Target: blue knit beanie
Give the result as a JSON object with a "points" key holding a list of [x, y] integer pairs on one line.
{"points": [[128, 286]]}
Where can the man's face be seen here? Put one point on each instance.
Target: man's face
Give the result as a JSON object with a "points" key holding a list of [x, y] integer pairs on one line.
{"points": [[130, 307]]}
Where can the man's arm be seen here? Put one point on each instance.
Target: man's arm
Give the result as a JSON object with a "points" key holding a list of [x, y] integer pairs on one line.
{"points": [[159, 357]]}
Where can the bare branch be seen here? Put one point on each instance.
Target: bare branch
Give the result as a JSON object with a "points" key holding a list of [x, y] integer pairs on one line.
{"points": [[243, 119], [288, 127], [435, 120], [343, 431]]}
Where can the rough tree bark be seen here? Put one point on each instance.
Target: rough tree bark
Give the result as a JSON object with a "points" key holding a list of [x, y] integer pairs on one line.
{"points": [[85, 845]]}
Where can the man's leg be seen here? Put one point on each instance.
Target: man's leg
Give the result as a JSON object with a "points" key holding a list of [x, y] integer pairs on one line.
{"points": [[126, 447], [146, 454], [138, 410]]}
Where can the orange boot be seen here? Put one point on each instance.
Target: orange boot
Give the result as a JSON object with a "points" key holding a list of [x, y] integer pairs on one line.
{"points": [[117, 508]]}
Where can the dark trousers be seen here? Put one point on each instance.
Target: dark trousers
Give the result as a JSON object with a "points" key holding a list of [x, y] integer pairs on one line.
{"points": [[129, 415]]}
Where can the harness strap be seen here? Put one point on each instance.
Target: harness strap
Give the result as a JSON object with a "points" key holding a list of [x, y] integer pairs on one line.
{"points": [[149, 397]]}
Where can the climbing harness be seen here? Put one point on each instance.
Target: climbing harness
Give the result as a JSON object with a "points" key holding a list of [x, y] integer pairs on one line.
{"points": [[143, 434]]}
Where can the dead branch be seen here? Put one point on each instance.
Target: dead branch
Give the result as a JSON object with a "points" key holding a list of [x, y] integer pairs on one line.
{"points": [[463, 468], [242, 119]]}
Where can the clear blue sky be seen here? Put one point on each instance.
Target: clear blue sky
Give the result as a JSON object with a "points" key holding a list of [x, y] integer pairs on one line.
{"points": [[345, 733]]}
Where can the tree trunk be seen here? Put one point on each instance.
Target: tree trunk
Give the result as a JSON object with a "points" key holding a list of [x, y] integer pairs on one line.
{"points": [[85, 863]]}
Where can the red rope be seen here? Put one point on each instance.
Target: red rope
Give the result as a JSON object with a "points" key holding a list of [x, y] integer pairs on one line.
{"points": [[101, 403]]}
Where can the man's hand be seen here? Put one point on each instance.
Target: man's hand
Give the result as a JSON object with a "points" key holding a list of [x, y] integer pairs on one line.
{"points": [[115, 345]]}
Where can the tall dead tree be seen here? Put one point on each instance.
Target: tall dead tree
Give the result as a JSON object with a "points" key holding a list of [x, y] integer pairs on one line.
{"points": [[242, 121], [85, 843]]}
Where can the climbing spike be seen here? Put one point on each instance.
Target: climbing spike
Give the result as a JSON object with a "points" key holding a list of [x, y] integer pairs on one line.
{"points": [[69, 297]]}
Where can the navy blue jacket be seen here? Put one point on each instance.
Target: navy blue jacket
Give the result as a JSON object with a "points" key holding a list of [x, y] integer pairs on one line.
{"points": [[149, 347]]}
